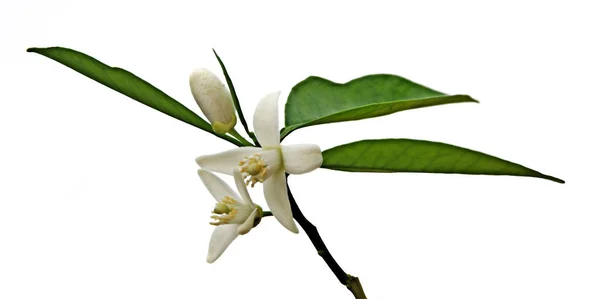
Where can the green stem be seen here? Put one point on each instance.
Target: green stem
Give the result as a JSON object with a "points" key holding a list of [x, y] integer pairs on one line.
{"points": [[351, 282], [253, 136], [235, 99], [239, 137], [267, 213], [227, 138]]}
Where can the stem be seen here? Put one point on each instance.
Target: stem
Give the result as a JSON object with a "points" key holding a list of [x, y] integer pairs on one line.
{"points": [[235, 99], [224, 137], [267, 213], [351, 282], [239, 137], [256, 143]]}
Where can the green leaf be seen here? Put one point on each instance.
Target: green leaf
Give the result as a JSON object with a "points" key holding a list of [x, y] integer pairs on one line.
{"points": [[406, 155], [317, 101], [128, 84]]}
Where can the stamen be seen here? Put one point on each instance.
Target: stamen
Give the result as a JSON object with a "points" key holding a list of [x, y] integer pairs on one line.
{"points": [[253, 169], [225, 210]]}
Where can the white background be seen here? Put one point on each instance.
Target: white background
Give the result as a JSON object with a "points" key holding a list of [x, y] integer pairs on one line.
{"points": [[99, 196]]}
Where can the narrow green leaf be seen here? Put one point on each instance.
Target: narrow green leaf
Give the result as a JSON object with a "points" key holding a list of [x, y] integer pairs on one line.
{"points": [[234, 96], [317, 101], [407, 155], [128, 84]]}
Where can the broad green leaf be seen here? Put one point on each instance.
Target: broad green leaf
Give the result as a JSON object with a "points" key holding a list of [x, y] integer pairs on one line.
{"points": [[128, 84], [317, 101], [407, 155]]}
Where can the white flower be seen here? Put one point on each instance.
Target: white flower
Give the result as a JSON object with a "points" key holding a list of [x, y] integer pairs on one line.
{"points": [[269, 163], [232, 215], [214, 100]]}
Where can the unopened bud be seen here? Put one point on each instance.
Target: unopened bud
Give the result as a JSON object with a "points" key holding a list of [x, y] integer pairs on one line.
{"points": [[214, 100]]}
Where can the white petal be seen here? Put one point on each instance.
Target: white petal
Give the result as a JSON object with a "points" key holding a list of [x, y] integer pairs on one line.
{"points": [[241, 186], [222, 236], [245, 227], [216, 186], [275, 191], [266, 121], [301, 158], [226, 161]]}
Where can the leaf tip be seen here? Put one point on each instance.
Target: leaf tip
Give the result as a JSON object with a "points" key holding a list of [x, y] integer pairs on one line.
{"points": [[555, 179], [471, 99], [35, 50], [215, 51], [550, 178]]}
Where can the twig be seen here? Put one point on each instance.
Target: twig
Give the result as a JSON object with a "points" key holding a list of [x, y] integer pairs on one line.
{"points": [[351, 282]]}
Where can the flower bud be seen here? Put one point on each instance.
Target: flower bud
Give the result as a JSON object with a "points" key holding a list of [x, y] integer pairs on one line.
{"points": [[214, 100]]}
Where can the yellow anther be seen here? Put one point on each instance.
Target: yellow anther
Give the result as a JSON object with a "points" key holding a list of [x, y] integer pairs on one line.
{"points": [[224, 211], [253, 169]]}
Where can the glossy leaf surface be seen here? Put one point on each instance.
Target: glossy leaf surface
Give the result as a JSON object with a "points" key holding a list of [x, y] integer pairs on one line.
{"points": [[408, 155], [126, 83], [317, 101]]}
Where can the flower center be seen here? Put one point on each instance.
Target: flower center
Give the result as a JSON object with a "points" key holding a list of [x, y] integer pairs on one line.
{"points": [[225, 211], [253, 169]]}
